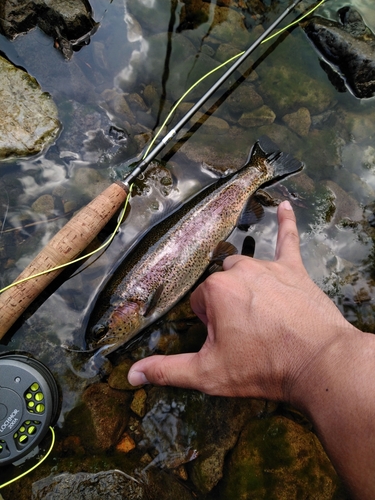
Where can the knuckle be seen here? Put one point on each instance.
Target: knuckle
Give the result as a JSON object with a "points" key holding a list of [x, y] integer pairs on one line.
{"points": [[292, 235], [160, 375]]}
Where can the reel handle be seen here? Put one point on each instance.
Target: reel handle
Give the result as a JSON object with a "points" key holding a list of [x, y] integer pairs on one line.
{"points": [[64, 247]]}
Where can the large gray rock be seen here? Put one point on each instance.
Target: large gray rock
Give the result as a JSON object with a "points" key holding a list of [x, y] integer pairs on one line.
{"points": [[28, 119], [349, 47], [69, 22], [112, 485]]}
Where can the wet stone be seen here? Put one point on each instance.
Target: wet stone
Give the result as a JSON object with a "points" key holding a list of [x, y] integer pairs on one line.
{"points": [[278, 458], [109, 413], [228, 27], [118, 379], [218, 125], [257, 118], [125, 444], [44, 205], [89, 182], [28, 119], [69, 22], [111, 485], [299, 122], [116, 104], [244, 99], [346, 207], [138, 405], [287, 85]]}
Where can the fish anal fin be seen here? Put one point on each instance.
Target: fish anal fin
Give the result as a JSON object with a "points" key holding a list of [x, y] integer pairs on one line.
{"points": [[153, 300], [252, 213], [223, 249]]}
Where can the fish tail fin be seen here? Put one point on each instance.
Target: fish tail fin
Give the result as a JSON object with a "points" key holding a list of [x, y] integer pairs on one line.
{"points": [[282, 163]]}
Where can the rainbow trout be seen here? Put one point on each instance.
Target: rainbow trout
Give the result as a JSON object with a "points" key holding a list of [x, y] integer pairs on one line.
{"points": [[177, 260]]}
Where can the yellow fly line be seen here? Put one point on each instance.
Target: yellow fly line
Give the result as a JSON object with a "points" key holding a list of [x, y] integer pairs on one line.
{"points": [[34, 466]]}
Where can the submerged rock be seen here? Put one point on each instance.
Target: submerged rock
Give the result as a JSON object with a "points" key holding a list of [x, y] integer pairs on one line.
{"points": [[281, 89], [299, 122], [109, 413], [112, 485], [28, 119], [349, 46], [278, 458]]}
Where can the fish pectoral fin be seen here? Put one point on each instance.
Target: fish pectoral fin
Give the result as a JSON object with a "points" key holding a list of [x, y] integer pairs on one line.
{"points": [[248, 246], [222, 250], [153, 300], [252, 213]]}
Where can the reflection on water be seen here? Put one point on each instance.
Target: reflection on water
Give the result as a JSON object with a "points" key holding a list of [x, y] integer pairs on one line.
{"points": [[114, 92]]}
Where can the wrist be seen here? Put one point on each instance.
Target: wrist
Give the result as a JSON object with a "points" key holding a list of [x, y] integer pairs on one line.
{"points": [[326, 371]]}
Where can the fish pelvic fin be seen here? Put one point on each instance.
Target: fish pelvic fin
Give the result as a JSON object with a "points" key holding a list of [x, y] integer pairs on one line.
{"points": [[282, 163], [153, 301], [252, 213]]}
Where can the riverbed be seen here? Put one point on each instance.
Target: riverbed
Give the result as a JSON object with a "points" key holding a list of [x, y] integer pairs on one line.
{"points": [[112, 96]]}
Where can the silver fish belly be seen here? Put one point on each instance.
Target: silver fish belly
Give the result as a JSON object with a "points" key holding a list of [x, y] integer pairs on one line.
{"points": [[174, 264]]}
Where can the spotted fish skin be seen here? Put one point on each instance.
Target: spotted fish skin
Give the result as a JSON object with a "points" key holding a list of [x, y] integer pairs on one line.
{"points": [[174, 264]]}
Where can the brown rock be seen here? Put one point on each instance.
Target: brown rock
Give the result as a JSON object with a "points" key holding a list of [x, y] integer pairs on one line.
{"points": [[257, 118], [118, 379], [44, 205], [138, 405], [109, 413], [125, 444], [299, 122]]}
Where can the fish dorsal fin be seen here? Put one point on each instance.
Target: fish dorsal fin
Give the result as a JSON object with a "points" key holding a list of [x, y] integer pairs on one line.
{"points": [[223, 249], [248, 246], [252, 213], [153, 300]]}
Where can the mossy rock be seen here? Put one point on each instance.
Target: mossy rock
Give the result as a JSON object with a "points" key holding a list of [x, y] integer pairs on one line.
{"points": [[278, 459]]}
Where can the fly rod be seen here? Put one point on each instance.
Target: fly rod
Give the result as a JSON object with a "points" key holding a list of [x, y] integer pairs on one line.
{"points": [[81, 230]]}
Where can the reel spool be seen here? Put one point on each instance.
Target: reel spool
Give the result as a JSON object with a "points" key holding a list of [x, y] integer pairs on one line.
{"points": [[29, 402]]}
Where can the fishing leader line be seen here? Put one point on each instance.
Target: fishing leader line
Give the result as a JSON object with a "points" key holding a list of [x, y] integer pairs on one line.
{"points": [[164, 141]]}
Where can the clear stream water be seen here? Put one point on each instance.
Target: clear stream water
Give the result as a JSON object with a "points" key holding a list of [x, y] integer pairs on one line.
{"points": [[334, 196]]}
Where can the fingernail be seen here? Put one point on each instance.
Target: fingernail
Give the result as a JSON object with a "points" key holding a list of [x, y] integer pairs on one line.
{"points": [[286, 205], [137, 378]]}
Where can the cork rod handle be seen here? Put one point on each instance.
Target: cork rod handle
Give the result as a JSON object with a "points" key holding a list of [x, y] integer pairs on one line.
{"points": [[64, 247]]}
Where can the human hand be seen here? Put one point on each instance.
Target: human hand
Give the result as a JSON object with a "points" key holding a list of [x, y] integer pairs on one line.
{"points": [[267, 323]]}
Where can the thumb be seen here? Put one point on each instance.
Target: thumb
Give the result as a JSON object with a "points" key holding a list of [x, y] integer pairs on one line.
{"points": [[178, 370]]}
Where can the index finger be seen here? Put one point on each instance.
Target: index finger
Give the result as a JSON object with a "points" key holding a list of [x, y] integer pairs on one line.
{"points": [[287, 246], [198, 304]]}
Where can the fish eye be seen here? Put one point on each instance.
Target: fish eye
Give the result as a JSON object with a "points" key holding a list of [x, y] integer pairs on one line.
{"points": [[99, 330]]}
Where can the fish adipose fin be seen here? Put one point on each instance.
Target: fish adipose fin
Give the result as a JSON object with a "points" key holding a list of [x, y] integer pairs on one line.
{"points": [[153, 300], [252, 213]]}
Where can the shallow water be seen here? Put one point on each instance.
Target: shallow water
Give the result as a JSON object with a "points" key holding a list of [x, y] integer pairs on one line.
{"points": [[336, 236]]}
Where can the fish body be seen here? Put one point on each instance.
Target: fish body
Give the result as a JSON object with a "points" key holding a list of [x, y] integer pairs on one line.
{"points": [[173, 265]]}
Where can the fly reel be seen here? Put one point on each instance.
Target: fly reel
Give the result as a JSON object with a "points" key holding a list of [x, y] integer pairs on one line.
{"points": [[29, 401]]}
